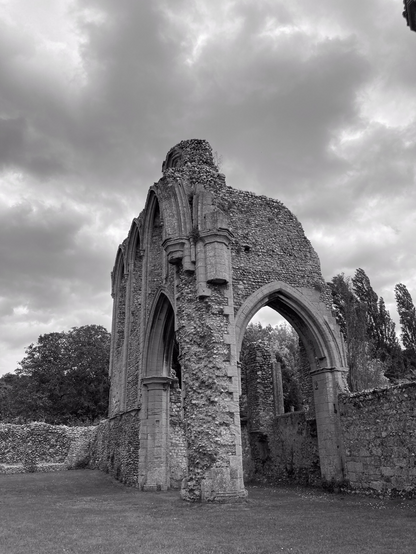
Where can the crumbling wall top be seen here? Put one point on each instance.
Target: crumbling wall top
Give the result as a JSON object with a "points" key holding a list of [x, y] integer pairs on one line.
{"points": [[194, 151]]}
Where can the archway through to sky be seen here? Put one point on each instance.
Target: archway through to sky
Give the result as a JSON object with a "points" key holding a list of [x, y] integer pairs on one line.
{"points": [[275, 381], [268, 316], [281, 339]]}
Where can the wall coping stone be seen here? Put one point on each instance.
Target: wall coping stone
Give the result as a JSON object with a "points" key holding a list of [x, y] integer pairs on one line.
{"points": [[368, 393]]}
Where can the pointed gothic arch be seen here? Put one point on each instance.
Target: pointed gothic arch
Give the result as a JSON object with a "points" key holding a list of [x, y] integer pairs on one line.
{"points": [[307, 315], [160, 337], [117, 358], [324, 348], [154, 466]]}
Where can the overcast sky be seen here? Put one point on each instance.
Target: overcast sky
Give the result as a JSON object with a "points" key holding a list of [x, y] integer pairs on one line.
{"points": [[312, 103]]}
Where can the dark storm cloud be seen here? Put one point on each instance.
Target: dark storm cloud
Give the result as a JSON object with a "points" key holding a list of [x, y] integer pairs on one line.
{"points": [[53, 273], [295, 125], [44, 255]]}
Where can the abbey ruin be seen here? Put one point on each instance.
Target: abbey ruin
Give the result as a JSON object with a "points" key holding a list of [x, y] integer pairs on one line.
{"points": [[198, 263], [189, 408]]}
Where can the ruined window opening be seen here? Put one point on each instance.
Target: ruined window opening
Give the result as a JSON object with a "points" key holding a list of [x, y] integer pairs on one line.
{"points": [[161, 339]]}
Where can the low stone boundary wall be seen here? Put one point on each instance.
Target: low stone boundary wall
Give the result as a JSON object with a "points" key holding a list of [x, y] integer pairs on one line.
{"points": [[379, 436], [294, 448], [42, 447], [115, 447], [286, 450]]}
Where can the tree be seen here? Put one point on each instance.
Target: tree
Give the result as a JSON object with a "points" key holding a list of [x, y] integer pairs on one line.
{"points": [[64, 377], [367, 328], [352, 319], [382, 338], [407, 314], [365, 294], [7, 383], [389, 351]]}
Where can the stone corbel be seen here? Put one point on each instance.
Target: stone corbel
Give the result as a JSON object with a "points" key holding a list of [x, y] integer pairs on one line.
{"points": [[178, 250], [174, 248], [157, 382]]}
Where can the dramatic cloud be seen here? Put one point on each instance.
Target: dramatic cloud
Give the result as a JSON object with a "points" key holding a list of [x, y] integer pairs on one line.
{"points": [[313, 106]]}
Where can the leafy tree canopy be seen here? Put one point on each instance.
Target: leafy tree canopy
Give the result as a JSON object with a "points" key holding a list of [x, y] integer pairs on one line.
{"points": [[62, 379], [374, 354], [407, 314]]}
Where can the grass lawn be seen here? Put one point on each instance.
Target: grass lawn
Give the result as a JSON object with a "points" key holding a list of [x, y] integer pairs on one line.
{"points": [[88, 512]]}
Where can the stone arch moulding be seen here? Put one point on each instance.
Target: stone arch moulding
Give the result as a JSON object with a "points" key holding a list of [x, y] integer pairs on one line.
{"points": [[307, 317], [120, 270], [134, 240], [116, 366], [310, 318], [152, 205]]}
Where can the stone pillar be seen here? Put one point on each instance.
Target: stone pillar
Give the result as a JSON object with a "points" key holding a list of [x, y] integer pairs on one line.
{"points": [[279, 406], [206, 336], [201, 274], [154, 471], [327, 384]]}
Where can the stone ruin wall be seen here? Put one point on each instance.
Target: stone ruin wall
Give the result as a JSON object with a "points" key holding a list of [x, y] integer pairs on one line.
{"points": [[379, 436], [40, 447], [115, 449], [257, 386], [134, 344], [211, 394], [178, 451], [117, 443], [277, 447], [267, 244]]}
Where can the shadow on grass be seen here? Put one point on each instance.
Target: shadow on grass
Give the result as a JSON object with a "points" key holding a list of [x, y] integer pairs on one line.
{"points": [[86, 511]]}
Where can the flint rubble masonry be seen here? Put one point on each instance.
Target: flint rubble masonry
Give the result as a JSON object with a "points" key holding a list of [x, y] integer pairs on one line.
{"points": [[198, 262]]}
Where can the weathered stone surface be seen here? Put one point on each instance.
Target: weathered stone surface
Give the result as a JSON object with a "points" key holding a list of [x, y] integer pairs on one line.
{"points": [[115, 448], [198, 262], [379, 437]]}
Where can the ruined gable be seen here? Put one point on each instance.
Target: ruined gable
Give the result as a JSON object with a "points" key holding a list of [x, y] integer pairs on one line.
{"points": [[199, 262]]}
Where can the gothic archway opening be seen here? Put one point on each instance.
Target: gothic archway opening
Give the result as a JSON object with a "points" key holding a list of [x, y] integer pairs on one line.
{"points": [[158, 382], [302, 442], [161, 339], [278, 425]]}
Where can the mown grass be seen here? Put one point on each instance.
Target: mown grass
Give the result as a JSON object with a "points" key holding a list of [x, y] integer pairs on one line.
{"points": [[87, 512]]}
